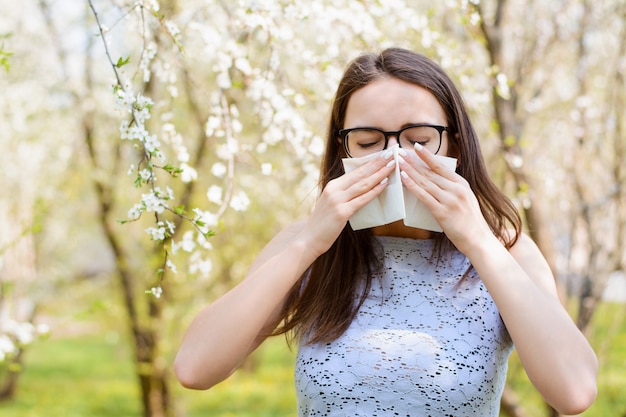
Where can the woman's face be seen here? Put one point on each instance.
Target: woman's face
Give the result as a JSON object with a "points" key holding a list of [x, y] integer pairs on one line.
{"points": [[391, 104]]}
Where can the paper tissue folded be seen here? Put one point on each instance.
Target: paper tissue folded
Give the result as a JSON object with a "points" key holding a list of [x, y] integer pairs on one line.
{"points": [[395, 202]]}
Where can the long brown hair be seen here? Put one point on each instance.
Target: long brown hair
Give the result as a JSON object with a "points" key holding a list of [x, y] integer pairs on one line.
{"points": [[325, 301]]}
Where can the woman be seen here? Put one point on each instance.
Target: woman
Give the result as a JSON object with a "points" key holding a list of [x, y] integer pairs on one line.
{"points": [[395, 320]]}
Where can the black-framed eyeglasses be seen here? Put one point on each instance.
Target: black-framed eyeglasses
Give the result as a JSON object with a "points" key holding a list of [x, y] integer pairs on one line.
{"points": [[363, 141]]}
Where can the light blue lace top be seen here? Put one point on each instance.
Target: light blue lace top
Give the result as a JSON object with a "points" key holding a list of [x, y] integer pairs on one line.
{"points": [[421, 345]]}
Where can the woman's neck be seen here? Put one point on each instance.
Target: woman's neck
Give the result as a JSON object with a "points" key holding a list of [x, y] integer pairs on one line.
{"points": [[398, 229]]}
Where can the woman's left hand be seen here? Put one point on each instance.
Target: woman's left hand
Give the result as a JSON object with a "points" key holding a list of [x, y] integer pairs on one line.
{"points": [[447, 196], [556, 356]]}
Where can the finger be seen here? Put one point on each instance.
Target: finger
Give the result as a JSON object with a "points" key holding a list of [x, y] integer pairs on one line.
{"points": [[433, 162], [433, 190], [364, 185], [361, 199], [422, 175], [430, 199], [342, 204], [426, 177], [366, 176]]}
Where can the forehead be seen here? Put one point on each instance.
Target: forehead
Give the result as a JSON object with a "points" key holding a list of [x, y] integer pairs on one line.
{"points": [[389, 103]]}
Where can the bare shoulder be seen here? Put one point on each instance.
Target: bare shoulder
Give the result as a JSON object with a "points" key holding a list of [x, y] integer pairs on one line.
{"points": [[278, 243], [529, 257]]}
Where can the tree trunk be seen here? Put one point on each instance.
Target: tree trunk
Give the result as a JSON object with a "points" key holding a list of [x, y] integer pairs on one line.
{"points": [[14, 370], [509, 130], [153, 382]]}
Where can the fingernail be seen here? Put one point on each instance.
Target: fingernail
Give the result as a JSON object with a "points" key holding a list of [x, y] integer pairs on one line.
{"points": [[401, 160], [390, 164], [404, 174], [384, 181], [418, 147], [387, 154], [402, 152]]}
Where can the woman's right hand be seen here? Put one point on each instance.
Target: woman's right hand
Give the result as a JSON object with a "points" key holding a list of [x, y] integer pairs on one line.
{"points": [[225, 332], [342, 197]]}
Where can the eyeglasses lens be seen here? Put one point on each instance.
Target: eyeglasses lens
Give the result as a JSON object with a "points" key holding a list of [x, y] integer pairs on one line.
{"points": [[363, 142]]}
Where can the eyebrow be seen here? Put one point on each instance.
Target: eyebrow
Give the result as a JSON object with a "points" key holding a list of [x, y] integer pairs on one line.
{"points": [[401, 127]]}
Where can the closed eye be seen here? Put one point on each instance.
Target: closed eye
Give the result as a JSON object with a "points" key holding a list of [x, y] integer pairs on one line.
{"points": [[368, 144]]}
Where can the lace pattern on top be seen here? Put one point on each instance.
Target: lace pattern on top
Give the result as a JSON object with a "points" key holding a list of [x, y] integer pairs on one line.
{"points": [[421, 345]]}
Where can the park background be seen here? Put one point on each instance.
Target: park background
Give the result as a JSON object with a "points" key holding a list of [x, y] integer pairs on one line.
{"points": [[149, 149]]}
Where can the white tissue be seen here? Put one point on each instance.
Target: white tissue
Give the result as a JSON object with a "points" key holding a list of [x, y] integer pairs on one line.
{"points": [[395, 202]]}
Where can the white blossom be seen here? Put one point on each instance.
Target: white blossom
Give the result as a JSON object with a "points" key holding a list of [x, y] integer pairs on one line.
{"points": [[200, 265], [7, 347], [243, 65], [240, 201], [171, 266], [135, 212], [223, 80], [266, 169], [23, 332], [124, 100], [142, 102], [42, 329], [475, 18], [214, 194], [151, 143], [147, 56], [156, 233], [141, 109], [172, 28], [151, 4], [152, 202], [15, 335], [218, 169], [236, 126], [187, 244], [502, 86], [188, 173], [157, 292], [145, 174], [173, 90], [134, 132], [207, 218], [182, 154], [213, 122], [317, 146], [203, 241]]}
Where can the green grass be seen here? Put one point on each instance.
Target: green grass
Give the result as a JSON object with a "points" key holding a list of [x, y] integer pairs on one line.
{"points": [[92, 375], [72, 377], [609, 341]]}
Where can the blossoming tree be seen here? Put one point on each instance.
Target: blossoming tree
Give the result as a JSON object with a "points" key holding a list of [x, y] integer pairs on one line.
{"points": [[200, 125], [228, 100]]}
